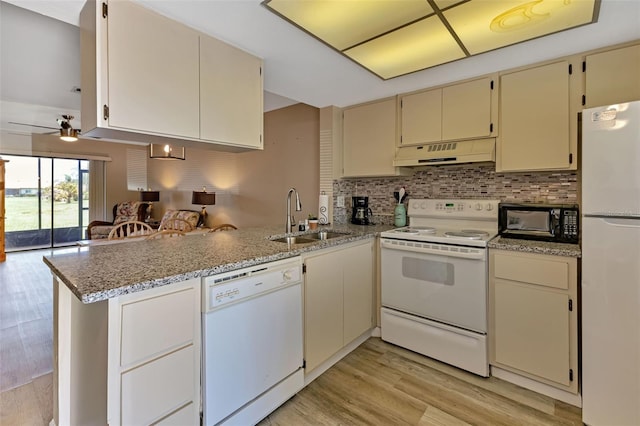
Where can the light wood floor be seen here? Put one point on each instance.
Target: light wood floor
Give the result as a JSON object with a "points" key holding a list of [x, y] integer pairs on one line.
{"points": [[382, 384], [26, 339], [377, 384]]}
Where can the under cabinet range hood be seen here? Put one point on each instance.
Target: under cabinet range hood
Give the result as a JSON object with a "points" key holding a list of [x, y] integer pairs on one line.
{"points": [[458, 152]]}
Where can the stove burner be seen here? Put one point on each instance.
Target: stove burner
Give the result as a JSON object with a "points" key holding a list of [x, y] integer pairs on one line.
{"points": [[466, 234], [415, 230], [407, 231], [424, 229], [475, 231]]}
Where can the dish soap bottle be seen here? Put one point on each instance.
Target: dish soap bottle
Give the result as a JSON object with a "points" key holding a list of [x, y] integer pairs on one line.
{"points": [[400, 212]]}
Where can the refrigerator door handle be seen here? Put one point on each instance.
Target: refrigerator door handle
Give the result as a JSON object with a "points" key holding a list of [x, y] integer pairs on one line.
{"points": [[622, 222]]}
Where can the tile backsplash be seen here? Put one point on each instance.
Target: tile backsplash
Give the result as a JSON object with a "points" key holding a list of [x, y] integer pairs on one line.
{"points": [[461, 181]]}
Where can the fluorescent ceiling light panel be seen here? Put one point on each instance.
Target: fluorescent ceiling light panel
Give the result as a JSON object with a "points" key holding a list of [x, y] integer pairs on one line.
{"points": [[425, 44], [396, 37], [489, 24], [344, 23]]}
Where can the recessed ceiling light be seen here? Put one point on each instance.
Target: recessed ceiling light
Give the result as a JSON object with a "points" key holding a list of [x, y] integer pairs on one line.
{"points": [[391, 38]]}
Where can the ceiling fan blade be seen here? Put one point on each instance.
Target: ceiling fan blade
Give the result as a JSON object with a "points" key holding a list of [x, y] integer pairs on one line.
{"points": [[33, 125]]}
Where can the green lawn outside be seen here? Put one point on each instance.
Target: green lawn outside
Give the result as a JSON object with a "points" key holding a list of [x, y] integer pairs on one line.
{"points": [[22, 214]]}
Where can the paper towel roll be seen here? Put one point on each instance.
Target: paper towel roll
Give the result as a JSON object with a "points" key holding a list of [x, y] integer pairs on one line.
{"points": [[323, 209]]}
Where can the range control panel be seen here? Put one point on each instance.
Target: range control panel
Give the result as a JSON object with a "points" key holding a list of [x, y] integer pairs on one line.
{"points": [[463, 209]]}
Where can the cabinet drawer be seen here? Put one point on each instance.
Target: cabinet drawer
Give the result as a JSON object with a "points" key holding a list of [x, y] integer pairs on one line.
{"points": [[545, 272], [147, 330], [152, 390], [187, 415]]}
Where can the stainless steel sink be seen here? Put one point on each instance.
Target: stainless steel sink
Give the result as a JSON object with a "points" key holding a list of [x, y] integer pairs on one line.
{"points": [[325, 235], [309, 238], [300, 239]]}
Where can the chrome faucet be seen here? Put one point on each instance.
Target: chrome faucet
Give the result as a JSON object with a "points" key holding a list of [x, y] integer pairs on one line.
{"points": [[298, 208]]}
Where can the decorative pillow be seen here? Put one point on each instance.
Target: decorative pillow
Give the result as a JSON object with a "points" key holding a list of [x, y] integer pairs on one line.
{"points": [[126, 211], [187, 215], [100, 231]]}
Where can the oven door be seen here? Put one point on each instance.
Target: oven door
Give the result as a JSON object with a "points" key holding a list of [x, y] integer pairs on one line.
{"points": [[444, 283]]}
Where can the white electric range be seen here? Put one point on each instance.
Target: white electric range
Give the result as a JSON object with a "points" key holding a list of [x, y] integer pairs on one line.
{"points": [[434, 280]]}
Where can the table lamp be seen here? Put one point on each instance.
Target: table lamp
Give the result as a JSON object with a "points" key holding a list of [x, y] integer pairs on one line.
{"points": [[203, 198], [149, 197]]}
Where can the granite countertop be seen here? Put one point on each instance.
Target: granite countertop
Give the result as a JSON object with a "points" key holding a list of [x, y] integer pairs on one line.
{"points": [[541, 247], [101, 272]]}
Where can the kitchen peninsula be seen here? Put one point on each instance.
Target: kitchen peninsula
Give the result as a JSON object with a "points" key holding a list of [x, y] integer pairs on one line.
{"points": [[127, 319]]}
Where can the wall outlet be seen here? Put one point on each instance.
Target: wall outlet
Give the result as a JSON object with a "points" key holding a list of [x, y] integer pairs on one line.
{"points": [[340, 201]]}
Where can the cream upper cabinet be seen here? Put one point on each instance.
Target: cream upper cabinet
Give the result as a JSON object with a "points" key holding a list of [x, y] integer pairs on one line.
{"points": [[338, 300], [231, 104], [467, 110], [533, 314], [538, 119], [369, 139], [455, 112], [147, 78], [612, 77], [421, 117], [146, 52]]}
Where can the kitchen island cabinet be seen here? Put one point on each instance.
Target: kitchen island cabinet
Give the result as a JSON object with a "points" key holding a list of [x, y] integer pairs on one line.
{"points": [[338, 303], [147, 78], [612, 76], [122, 313], [538, 118], [132, 359], [459, 111], [369, 140], [533, 317]]}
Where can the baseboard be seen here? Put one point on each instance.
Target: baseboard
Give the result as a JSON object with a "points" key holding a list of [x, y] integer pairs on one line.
{"points": [[541, 388]]}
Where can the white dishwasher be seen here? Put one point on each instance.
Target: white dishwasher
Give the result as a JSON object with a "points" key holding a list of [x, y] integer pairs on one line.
{"points": [[252, 341]]}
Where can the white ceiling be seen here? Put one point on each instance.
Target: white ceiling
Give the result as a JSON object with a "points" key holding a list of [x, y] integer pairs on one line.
{"points": [[297, 67]]}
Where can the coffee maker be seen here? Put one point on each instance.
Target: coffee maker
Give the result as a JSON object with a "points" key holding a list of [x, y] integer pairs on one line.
{"points": [[361, 212]]}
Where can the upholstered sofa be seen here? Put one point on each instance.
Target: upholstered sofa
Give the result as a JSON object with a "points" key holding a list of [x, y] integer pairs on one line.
{"points": [[122, 212], [191, 216]]}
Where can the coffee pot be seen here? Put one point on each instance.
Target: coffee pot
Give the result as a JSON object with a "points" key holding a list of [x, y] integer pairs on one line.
{"points": [[361, 212]]}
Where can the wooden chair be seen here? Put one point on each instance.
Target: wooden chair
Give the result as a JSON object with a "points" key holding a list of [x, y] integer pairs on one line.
{"points": [[223, 227], [176, 224], [133, 228], [167, 233], [122, 212]]}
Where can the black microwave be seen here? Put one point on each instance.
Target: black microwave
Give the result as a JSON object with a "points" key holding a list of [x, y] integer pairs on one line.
{"points": [[543, 222]]}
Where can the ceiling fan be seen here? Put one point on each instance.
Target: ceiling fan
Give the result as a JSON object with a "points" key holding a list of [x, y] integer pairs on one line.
{"points": [[67, 132]]}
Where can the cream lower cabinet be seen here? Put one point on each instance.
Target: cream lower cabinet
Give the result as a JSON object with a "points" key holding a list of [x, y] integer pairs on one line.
{"points": [[369, 140], [129, 360], [612, 77], [533, 314], [338, 299], [538, 118]]}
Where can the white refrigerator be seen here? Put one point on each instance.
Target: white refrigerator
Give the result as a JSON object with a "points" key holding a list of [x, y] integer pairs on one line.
{"points": [[611, 265]]}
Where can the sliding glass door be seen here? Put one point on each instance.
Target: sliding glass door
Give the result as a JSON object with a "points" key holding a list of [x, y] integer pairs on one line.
{"points": [[46, 201]]}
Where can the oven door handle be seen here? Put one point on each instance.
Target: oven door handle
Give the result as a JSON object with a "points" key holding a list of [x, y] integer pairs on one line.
{"points": [[441, 250]]}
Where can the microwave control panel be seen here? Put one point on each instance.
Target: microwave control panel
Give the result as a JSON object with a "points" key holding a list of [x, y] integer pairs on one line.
{"points": [[570, 224]]}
